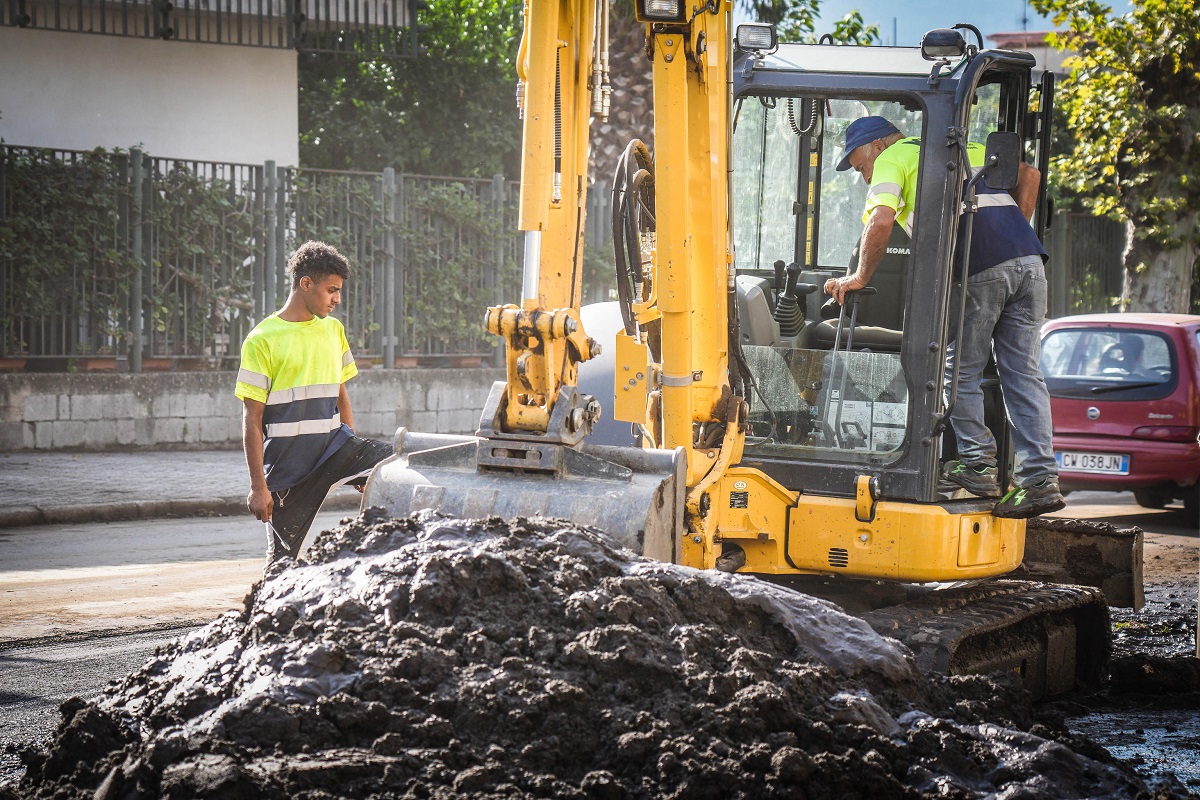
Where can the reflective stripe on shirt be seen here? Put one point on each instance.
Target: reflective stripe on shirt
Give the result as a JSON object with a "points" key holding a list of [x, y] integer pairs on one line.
{"points": [[312, 392], [254, 379], [285, 429], [884, 188]]}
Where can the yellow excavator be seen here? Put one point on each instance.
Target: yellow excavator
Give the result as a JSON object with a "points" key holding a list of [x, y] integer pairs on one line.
{"points": [[713, 416]]}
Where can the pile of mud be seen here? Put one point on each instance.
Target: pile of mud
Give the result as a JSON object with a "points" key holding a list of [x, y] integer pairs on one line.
{"points": [[429, 657]]}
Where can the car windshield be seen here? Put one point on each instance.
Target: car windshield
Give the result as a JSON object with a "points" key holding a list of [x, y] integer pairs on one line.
{"points": [[1109, 363]]}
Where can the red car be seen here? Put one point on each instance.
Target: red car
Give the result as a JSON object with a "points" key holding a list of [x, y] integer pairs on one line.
{"points": [[1125, 397]]}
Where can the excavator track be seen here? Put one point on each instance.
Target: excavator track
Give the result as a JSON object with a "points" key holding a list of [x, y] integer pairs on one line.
{"points": [[1055, 636]]}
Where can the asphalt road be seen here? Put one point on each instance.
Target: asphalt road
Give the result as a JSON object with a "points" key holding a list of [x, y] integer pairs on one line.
{"points": [[37, 678], [81, 605], [73, 580]]}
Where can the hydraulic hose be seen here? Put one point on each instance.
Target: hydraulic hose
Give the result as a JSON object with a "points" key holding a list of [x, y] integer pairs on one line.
{"points": [[632, 215]]}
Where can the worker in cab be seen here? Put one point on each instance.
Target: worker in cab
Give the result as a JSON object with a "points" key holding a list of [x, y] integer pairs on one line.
{"points": [[1005, 308]]}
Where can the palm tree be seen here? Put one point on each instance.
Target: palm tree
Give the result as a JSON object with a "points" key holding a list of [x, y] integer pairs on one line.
{"points": [[631, 114]]}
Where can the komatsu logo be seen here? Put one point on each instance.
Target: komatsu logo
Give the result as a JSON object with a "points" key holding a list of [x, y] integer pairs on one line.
{"points": [[898, 251]]}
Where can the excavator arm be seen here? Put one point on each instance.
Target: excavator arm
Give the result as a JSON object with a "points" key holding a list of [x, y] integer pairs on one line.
{"points": [[563, 81], [688, 275], [529, 455], [693, 277]]}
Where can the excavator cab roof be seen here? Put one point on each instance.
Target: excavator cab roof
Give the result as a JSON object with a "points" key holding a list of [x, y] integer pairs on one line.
{"points": [[848, 59]]}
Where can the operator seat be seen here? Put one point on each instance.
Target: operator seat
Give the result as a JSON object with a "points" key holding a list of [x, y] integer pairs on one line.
{"points": [[880, 321]]}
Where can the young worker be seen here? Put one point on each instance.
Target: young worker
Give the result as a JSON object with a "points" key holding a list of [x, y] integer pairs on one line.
{"points": [[297, 426]]}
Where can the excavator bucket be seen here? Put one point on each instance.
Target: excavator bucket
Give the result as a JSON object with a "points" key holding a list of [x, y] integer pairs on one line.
{"points": [[635, 495], [1087, 553]]}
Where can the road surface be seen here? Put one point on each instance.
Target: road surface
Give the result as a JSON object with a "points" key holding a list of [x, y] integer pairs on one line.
{"points": [[81, 605]]}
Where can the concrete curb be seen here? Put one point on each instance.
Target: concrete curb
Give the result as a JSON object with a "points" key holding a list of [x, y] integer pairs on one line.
{"points": [[21, 516]]}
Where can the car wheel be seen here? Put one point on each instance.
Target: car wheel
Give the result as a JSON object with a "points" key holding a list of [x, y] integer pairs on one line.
{"points": [[1150, 498], [1191, 505]]}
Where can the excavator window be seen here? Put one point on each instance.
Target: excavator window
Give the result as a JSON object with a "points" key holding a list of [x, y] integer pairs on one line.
{"points": [[791, 205]]}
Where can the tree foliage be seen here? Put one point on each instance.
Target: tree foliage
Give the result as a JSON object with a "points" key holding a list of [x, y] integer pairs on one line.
{"points": [[795, 21], [449, 111], [67, 244], [1132, 103]]}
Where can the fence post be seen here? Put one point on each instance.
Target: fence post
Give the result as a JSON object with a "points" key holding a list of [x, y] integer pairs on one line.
{"points": [[270, 280], [493, 280], [1060, 272], [4, 296], [278, 275], [135, 292], [389, 268], [260, 246], [399, 214]]}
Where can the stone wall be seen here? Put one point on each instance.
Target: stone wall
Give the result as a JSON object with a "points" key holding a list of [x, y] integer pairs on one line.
{"points": [[73, 411]]}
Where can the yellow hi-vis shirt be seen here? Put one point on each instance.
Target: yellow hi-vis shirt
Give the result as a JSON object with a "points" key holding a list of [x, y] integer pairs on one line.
{"points": [[894, 179], [1000, 232], [297, 369]]}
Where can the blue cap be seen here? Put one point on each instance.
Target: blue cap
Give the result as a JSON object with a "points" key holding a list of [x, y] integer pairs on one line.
{"points": [[864, 131]]}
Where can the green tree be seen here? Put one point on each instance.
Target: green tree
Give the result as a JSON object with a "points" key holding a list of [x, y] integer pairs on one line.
{"points": [[449, 111], [452, 111], [1133, 103], [794, 21]]}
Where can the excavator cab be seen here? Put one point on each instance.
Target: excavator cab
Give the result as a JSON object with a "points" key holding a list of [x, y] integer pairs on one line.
{"points": [[826, 409]]}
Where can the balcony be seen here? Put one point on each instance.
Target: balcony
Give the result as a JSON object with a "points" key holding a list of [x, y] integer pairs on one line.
{"points": [[359, 28]]}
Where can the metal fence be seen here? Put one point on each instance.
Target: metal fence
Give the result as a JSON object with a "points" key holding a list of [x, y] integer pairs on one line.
{"points": [[128, 261], [370, 28], [1086, 268], [135, 262]]}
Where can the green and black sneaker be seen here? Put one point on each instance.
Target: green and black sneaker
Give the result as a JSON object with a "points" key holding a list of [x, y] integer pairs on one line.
{"points": [[1031, 501], [980, 481]]}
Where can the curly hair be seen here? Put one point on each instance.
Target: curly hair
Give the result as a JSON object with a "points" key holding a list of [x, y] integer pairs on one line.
{"points": [[317, 260]]}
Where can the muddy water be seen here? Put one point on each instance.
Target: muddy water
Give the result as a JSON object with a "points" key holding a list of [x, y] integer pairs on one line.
{"points": [[440, 658], [1149, 715], [1157, 742]]}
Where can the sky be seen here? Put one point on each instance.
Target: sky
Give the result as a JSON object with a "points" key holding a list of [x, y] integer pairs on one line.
{"points": [[905, 21]]}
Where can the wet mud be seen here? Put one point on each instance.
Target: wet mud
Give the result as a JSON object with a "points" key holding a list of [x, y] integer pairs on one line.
{"points": [[1148, 713], [429, 657]]}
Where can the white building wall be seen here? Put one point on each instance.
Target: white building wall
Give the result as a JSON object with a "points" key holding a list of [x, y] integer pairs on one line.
{"points": [[206, 102]]}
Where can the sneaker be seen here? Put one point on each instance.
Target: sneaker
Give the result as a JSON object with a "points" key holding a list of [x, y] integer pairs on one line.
{"points": [[979, 481], [1023, 502]]}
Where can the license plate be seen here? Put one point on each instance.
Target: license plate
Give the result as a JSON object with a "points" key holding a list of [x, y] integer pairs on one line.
{"points": [[1112, 463]]}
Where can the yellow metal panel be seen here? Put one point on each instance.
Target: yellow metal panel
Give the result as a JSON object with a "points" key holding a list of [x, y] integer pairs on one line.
{"points": [[978, 541], [906, 541], [631, 379], [752, 513], [824, 528]]}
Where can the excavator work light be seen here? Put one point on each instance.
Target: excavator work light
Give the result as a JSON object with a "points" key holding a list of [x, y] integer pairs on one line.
{"points": [[757, 36], [661, 10]]}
